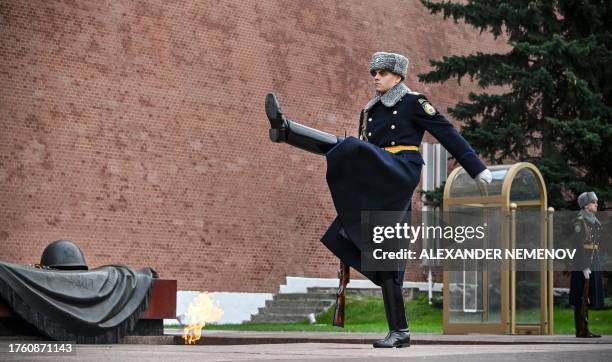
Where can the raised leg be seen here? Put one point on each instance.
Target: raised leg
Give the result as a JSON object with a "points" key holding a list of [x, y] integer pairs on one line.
{"points": [[295, 134]]}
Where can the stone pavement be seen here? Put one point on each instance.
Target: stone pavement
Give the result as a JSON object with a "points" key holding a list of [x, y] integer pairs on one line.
{"points": [[332, 346], [329, 352], [212, 337]]}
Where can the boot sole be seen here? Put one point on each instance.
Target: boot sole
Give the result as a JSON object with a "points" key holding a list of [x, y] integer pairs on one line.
{"points": [[274, 112], [401, 345]]}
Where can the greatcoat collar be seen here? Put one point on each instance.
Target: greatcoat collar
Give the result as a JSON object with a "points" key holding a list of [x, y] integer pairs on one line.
{"points": [[389, 98]]}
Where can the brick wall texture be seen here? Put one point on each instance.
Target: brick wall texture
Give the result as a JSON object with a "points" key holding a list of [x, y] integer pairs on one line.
{"points": [[137, 128]]}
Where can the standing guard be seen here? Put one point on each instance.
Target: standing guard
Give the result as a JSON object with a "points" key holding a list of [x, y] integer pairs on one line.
{"points": [[586, 286], [379, 171]]}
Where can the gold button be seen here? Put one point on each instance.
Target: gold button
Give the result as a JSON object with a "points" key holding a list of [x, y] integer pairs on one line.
{"points": [[369, 133], [392, 143], [394, 112], [392, 126]]}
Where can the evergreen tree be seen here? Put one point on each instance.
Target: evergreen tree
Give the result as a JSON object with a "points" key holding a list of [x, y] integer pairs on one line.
{"points": [[554, 108]]}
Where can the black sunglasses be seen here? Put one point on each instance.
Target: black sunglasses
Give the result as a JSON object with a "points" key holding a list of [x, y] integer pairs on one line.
{"points": [[382, 72]]}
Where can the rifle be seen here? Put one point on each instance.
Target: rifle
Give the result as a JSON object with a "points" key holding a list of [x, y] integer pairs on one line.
{"points": [[344, 277], [584, 308], [583, 322]]}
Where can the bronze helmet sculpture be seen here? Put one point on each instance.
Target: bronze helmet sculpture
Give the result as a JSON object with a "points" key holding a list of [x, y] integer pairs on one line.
{"points": [[63, 255]]}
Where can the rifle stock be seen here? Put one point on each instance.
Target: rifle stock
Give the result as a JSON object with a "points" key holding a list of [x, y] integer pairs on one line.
{"points": [[344, 277]]}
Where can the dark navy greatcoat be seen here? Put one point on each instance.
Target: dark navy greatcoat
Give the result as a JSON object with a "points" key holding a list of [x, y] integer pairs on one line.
{"points": [[587, 233], [363, 176]]}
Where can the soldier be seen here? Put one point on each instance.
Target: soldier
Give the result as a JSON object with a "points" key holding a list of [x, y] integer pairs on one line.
{"points": [[379, 171], [586, 286]]}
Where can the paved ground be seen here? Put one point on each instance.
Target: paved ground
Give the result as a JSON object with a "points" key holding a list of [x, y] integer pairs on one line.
{"points": [[211, 337], [330, 346], [330, 352]]}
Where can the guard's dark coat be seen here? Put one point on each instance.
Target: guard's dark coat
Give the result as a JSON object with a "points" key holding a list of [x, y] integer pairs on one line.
{"points": [[363, 176], [587, 233]]}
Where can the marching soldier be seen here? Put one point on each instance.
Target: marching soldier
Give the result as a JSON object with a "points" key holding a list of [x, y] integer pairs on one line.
{"points": [[586, 286], [379, 171]]}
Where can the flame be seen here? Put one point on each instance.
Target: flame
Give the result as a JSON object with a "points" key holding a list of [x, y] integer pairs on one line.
{"points": [[201, 310]]}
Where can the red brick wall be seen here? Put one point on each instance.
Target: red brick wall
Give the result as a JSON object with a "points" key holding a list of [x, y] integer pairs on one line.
{"points": [[137, 129]]}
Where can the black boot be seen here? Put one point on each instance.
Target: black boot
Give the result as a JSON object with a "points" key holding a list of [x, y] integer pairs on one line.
{"points": [[590, 335], [295, 134], [583, 332], [399, 335]]}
